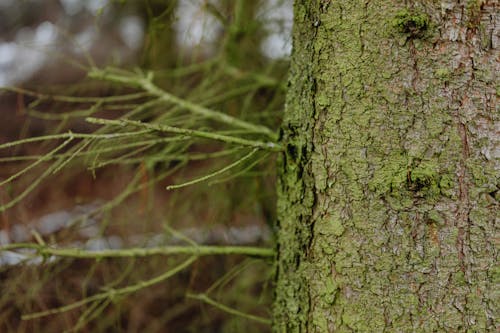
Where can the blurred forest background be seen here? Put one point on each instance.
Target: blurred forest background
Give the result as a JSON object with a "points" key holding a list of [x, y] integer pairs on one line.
{"points": [[105, 192]]}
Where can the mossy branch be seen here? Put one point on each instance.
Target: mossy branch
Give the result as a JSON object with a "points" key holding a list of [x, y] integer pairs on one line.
{"points": [[146, 84], [71, 135], [44, 251], [76, 99], [189, 132]]}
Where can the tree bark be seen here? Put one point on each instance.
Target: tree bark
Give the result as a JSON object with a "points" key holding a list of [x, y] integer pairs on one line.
{"points": [[389, 189]]}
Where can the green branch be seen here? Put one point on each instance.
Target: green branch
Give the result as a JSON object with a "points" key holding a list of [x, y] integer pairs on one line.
{"points": [[73, 99], [70, 135], [43, 250], [215, 173], [113, 293], [189, 132], [225, 308], [42, 159], [146, 84]]}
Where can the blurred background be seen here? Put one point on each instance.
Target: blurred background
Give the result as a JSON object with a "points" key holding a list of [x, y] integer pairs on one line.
{"points": [[225, 55]]}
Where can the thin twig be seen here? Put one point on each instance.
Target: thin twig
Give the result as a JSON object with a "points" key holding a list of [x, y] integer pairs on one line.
{"points": [[75, 99], [71, 135], [225, 308], [42, 159], [215, 173], [113, 293]]}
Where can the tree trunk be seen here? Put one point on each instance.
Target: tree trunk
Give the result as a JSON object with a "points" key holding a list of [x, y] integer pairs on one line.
{"points": [[389, 187]]}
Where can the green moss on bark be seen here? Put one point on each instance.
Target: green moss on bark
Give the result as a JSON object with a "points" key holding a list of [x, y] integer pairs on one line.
{"points": [[414, 24], [384, 196]]}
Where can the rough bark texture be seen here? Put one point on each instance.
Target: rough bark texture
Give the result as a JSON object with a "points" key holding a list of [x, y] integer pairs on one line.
{"points": [[389, 187]]}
